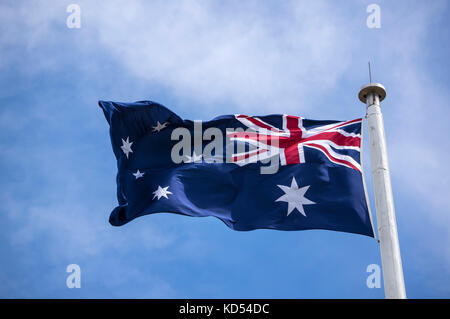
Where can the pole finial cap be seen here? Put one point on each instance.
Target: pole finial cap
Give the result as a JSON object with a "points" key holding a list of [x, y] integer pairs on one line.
{"points": [[376, 88]]}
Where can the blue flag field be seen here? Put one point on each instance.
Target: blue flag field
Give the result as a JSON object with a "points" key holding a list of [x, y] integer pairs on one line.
{"points": [[278, 172]]}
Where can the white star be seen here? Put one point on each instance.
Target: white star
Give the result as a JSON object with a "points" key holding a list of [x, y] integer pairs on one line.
{"points": [[138, 174], [159, 126], [295, 197], [126, 147], [161, 192], [194, 158]]}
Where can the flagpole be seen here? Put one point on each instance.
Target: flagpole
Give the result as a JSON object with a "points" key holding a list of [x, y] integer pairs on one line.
{"points": [[394, 286]]}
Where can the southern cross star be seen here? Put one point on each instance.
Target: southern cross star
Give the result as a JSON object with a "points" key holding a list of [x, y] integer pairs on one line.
{"points": [[194, 158], [295, 197], [126, 147], [161, 192], [159, 126], [138, 174]]}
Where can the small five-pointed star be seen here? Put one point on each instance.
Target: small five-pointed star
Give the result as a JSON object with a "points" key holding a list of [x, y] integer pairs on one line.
{"points": [[138, 174], [295, 197], [159, 126], [126, 147], [194, 158], [161, 192]]}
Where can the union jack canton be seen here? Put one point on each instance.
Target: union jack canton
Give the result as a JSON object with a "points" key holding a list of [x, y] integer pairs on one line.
{"points": [[288, 142]]}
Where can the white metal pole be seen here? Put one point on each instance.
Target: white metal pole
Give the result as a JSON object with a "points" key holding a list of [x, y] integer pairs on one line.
{"points": [[394, 286]]}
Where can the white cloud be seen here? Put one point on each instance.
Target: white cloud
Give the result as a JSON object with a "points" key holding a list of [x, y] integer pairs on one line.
{"points": [[259, 58], [256, 57], [416, 111], [245, 56]]}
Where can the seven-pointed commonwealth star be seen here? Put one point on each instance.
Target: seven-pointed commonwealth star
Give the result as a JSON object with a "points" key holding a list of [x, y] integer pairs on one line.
{"points": [[159, 126], [126, 147], [295, 197], [161, 192], [138, 174]]}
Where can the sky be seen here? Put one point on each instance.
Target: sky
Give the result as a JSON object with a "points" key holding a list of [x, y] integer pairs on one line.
{"points": [[202, 59]]}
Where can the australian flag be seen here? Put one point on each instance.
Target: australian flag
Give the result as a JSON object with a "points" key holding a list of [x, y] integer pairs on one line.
{"points": [[252, 172]]}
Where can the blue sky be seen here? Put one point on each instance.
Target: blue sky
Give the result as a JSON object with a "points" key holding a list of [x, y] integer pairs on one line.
{"points": [[203, 59]]}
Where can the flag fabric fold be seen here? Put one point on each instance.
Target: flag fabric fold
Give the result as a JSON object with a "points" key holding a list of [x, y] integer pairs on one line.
{"points": [[215, 168]]}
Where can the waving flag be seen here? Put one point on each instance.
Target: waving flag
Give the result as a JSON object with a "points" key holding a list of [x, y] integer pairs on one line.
{"points": [[274, 172]]}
